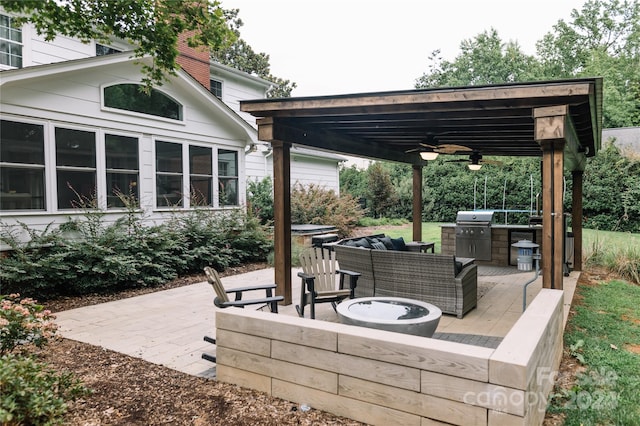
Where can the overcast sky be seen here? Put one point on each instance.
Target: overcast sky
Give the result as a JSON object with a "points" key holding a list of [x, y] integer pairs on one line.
{"points": [[333, 47]]}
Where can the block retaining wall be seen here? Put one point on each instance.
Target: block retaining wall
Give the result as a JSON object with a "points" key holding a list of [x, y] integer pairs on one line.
{"points": [[382, 378]]}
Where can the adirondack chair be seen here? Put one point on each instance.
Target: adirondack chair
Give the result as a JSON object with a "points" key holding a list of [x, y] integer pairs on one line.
{"points": [[319, 273], [222, 299]]}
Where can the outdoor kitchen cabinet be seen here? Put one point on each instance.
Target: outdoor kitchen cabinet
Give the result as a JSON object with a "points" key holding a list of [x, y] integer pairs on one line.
{"points": [[500, 252]]}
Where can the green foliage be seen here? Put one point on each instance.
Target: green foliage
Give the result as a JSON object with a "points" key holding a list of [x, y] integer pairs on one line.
{"points": [[314, 204], [32, 393], [381, 192], [612, 191], [383, 221], [106, 257], [24, 323], [353, 181], [601, 333], [482, 60], [601, 39], [152, 26], [260, 199]]}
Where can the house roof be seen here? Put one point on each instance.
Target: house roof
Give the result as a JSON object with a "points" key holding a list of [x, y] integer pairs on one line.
{"points": [[627, 139], [494, 120], [230, 71]]}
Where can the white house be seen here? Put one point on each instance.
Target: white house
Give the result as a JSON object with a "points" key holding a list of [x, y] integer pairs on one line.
{"points": [[75, 127]]}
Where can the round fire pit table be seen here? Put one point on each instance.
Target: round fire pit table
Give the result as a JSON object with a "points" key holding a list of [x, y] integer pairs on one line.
{"points": [[391, 314]]}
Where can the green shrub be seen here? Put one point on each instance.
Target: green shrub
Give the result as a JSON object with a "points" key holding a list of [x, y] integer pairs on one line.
{"points": [[107, 257], [260, 199], [32, 393], [319, 206], [24, 323]]}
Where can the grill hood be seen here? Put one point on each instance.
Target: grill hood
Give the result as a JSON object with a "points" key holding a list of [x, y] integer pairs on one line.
{"points": [[479, 217]]}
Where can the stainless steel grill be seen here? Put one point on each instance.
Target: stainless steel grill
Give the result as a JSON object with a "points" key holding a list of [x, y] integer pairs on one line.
{"points": [[473, 234]]}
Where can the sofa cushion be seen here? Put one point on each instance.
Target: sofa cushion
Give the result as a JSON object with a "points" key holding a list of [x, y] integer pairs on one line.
{"points": [[399, 244]]}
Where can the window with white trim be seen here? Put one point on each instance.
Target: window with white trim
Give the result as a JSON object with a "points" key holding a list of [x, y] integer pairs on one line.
{"points": [[22, 166], [215, 87], [132, 97], [10, 43], [200, 176], [227, 177], [75, 168], [122, 170], [169, 174]]}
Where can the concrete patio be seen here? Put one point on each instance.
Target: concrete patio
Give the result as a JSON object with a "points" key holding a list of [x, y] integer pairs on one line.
{"points": [[167, 327]]}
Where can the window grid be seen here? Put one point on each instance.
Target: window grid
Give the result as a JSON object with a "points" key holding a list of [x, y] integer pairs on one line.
{"points": [[10, 43], [216, 88]]}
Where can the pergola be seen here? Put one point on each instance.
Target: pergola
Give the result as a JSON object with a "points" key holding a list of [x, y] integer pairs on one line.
{"points": [[559, 121]]}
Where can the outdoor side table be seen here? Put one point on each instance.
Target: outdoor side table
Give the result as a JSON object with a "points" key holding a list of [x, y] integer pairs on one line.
{"points": [[421, 246]]}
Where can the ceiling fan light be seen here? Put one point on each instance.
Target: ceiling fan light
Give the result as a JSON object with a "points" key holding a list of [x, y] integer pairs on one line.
{"points": [[474, 167], [428, 155]]}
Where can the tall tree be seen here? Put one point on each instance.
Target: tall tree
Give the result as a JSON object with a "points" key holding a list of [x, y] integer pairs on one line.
{"points": [[241, 56], [603, 39], [381, 191], [153, 26], [486, 59]]}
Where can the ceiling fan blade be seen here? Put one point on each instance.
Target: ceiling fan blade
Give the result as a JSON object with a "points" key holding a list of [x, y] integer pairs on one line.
{"points": [[428, 146]]}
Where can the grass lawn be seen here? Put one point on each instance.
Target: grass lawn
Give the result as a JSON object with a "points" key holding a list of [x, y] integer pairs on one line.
{"points": [[604, 336]]}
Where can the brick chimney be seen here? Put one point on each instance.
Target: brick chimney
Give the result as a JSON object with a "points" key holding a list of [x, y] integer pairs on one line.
{"points": [[194, 61]]}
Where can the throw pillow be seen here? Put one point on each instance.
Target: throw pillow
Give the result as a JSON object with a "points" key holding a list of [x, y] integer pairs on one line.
{"points": [[362, 242], [378, 245], [387, 243], [457, 267], [398, 244]]}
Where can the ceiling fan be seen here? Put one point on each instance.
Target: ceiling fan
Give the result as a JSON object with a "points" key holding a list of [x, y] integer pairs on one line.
{"points": [[445, 148], [476, 161]]}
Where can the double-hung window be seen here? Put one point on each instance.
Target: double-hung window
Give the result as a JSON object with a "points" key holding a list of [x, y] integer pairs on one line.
{"points": [[216, 88], [200, 176], [22, 166], [10, 43], [228, 177], [75, 168], [169, 189], [121, 153]]}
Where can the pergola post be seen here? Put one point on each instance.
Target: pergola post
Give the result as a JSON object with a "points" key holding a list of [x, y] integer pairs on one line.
{"points": [[576, 218], [282, 218], [552, 128], [417, 203]]}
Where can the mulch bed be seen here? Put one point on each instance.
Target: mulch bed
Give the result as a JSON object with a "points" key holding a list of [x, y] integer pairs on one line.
{"points": [[130, 391]]}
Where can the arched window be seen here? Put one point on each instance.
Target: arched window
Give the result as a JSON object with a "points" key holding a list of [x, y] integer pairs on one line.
{"points": [[131, 97]]}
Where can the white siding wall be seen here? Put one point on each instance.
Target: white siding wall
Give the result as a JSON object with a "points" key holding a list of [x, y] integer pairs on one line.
{"points": [[73, 100], [305, 170]]}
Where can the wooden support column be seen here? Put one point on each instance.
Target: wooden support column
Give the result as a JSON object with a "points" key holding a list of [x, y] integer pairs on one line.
{"points": [[282, 218], [576, 218], [417, 203], [551, 129]]}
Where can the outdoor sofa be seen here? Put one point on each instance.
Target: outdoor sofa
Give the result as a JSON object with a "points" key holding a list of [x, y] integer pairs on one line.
{"points": [[387, 268]]}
